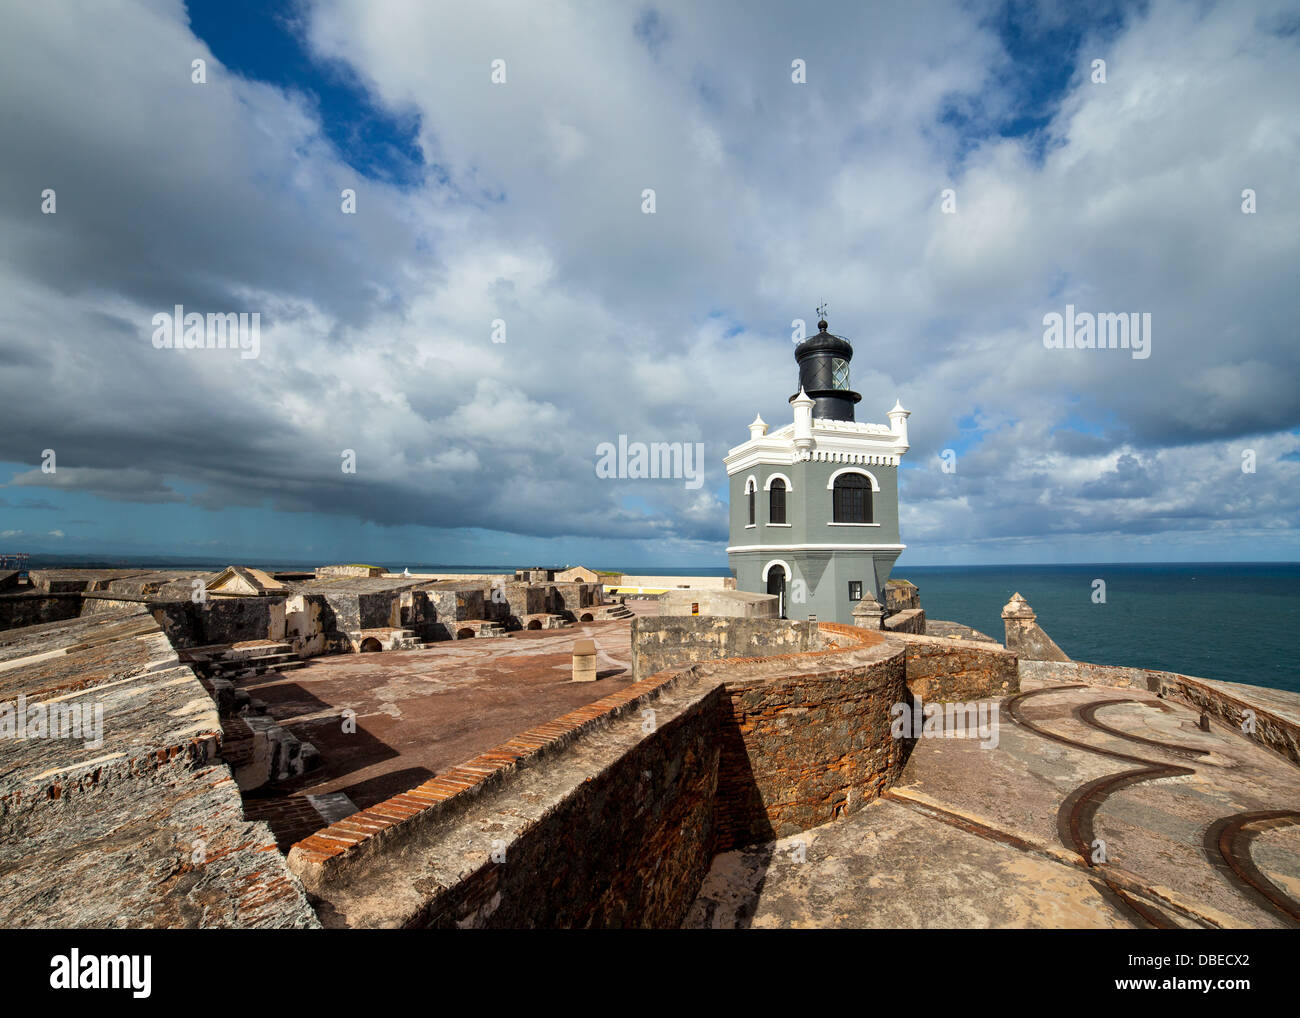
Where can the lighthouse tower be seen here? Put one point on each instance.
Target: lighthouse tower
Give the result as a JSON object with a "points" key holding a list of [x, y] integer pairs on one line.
{"points": [[814, 504]]}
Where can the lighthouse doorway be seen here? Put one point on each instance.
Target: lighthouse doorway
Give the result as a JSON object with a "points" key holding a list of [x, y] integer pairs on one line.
{"points": [[776, 585]]}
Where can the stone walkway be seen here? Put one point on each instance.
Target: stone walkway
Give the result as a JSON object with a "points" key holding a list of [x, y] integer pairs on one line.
{"points": [[1198, 829]]}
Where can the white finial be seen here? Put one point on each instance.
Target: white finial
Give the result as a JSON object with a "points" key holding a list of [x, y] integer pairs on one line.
{"points": [[898, 422], [759, 428], [803, 436]]}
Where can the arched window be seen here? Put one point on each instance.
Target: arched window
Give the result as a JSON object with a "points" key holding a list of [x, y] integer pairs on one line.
{"points": [[751, 505], [852, 499], [776, 502]]}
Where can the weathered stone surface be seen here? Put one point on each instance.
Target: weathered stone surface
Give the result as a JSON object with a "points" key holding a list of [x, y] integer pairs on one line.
{"points": [[569, 598], [1274, 713], [137, 822], [222, 620], [805, 741], [444, 604], [943, 669], [166, 849], [626, 847], [971, 836], [909, 620], [955, 631], [330, 572], [901, 595], [732, 603], [660, 642], [1025, 637], [35, 607], [619, 820]]}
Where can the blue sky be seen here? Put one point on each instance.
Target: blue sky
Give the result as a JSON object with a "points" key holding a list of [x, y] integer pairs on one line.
{"points": [[520, 202]]}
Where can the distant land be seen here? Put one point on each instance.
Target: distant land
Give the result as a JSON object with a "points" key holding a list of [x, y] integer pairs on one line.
{"points": [[1217, 620]]}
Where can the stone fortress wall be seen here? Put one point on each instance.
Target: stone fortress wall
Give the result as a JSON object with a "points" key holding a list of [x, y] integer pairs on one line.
{"points": [[737, 730]]}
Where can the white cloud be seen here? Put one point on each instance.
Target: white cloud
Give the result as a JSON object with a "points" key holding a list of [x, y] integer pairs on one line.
{"points": [[772, 197]]}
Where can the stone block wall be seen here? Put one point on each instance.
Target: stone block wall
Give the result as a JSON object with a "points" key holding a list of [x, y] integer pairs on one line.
{"points": [[730, 603], [438, 609], [628, 848], [665, 641], [909, 620], [379, 608], [570, 598], [808, 744], [900, 595], [364, 571], [221, 620], [305, 624], [34, 607], [516, 600], [961, 670]]}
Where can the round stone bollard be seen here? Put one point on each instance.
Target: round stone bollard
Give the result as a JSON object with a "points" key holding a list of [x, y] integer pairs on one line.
{"points": [[584, 661]]}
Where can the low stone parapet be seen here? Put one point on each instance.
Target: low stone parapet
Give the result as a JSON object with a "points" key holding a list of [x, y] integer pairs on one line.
{"points": [[944, 669], [666, 641], [909, 620]]}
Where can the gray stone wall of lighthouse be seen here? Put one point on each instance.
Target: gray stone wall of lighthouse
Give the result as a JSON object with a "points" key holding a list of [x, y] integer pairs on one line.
{"points": [[826, 572]]}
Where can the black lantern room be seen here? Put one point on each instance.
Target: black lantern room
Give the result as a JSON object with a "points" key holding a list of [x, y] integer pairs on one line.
{"points": [[824, 374]]}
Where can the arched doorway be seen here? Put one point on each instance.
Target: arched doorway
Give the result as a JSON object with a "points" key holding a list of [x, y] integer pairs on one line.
{"points": [[776, 577], [371, 646]]}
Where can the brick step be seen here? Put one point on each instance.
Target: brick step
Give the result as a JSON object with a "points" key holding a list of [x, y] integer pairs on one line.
{"points": [[388, 638], [482, 629], [544, 620], [236, 651], [605, 612], [245, 668]]}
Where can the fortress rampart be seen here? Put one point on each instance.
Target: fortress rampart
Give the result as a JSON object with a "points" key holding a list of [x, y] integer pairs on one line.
{"points": [[734, 732], [622, 804]]}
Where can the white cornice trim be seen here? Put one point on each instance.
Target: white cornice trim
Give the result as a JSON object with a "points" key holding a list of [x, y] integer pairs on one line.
{"points": [[844, 449]]}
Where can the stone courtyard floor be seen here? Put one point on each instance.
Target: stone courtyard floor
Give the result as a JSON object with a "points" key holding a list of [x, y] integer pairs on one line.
{"points": [[1200, 829], [422, 711]]}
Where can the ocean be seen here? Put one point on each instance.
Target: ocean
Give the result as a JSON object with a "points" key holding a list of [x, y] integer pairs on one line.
{"points": [[1232, 621]]}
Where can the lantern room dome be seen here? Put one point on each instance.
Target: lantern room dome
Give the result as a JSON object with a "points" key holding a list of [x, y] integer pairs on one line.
{"points": [[824, 374]]}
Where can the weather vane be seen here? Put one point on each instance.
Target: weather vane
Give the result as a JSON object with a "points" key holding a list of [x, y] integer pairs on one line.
{"points": [[821, 310]]}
